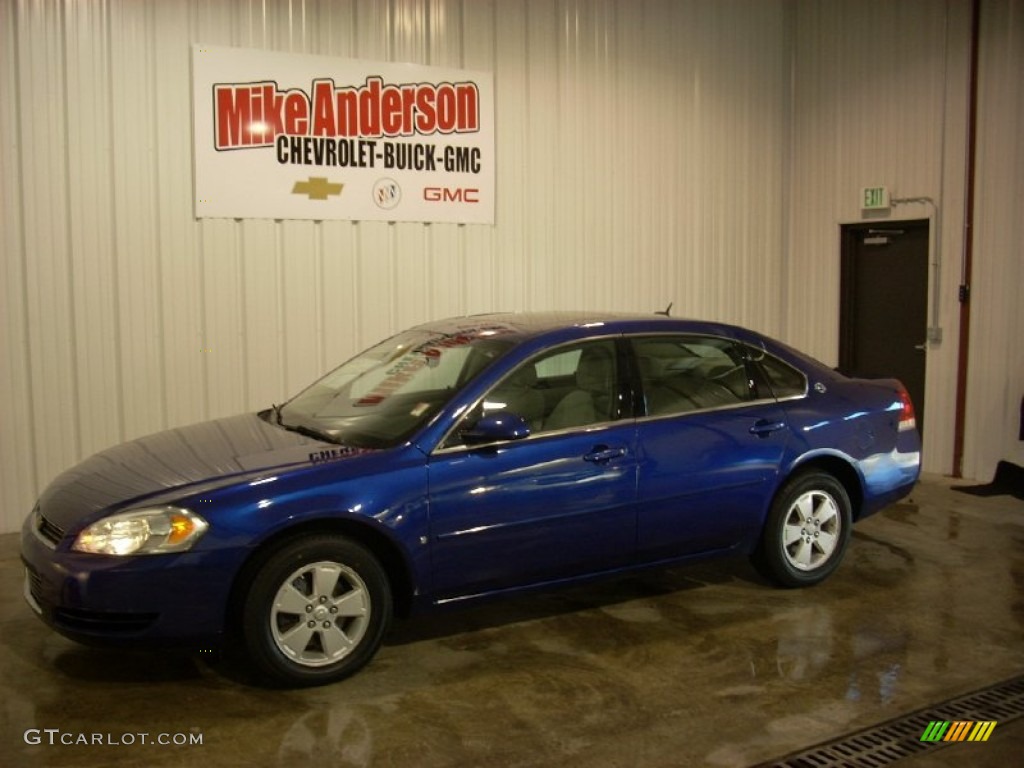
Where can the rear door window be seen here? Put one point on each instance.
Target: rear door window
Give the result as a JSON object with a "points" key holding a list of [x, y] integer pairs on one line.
{"points": [[686, 373]]}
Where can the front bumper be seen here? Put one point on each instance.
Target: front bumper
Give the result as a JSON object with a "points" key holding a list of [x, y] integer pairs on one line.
{"points": [[173, 599]]}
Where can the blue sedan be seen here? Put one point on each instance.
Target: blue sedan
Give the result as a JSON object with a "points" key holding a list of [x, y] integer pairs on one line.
{"points": [[466, 459]]}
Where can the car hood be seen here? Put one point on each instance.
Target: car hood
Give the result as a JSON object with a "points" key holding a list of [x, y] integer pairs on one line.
{"points": [[203, 454]]}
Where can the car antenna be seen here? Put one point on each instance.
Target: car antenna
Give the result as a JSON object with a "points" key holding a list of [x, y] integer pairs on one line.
{"points": [[666, 310]]}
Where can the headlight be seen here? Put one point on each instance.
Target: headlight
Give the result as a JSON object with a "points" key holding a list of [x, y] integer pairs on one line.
{"points": [[142, 532]]}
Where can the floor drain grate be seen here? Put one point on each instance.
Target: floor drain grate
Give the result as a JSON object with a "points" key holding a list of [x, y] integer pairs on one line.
{"points": [[884, 744]]}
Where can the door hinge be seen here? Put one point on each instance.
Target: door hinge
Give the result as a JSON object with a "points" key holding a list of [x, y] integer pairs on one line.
{"points": [[965, 293]]}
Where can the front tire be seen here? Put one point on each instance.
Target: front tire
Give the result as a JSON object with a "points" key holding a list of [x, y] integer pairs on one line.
{"points": [[807, 531], [316, 611]]}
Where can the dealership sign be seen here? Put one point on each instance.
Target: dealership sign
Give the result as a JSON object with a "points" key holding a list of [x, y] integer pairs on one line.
{"points": [[286, 136]]}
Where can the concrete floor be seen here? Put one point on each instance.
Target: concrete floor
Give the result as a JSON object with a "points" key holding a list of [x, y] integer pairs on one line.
{"points": [[705, 665]]}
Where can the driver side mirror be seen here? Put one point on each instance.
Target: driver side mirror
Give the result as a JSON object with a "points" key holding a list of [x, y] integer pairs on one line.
{"points": [[497, 427]]}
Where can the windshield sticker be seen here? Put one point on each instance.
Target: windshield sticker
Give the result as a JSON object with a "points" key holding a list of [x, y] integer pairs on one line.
{"points": [[426, 354]]}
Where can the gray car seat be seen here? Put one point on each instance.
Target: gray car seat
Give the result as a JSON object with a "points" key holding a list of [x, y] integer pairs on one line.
{"points": [[591, 401]]}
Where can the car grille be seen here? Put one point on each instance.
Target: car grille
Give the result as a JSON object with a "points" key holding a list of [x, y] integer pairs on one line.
{"points": [[48, 530], [35, 584], [99, 623], [103, 622]]}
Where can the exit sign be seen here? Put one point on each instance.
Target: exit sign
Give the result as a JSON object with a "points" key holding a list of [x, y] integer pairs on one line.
{"points": [[873, 198]]}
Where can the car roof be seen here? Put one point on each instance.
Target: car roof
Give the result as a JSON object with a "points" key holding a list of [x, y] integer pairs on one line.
{"points": [[527, 325], [534, 329]]}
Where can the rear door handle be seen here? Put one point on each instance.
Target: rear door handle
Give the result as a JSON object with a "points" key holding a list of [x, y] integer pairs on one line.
{"points": [[603, 453], [764, 427]]}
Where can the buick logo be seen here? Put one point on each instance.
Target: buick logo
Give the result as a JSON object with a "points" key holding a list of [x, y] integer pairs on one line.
{"points": [[387, 194]]}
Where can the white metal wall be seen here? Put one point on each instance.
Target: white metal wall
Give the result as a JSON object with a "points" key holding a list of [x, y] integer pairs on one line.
{"points": [[880, 98], [701, 152], [995, 384], [641, 160], [880, 95]]}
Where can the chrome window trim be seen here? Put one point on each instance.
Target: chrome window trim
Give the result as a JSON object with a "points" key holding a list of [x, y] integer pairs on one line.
{"points": [[601, 425], [791, 398], [697, 411]]}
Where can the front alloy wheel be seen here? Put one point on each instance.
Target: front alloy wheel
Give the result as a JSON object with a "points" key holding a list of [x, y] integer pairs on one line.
{"points": [[320, 613], [317, 611], [807, 531]]}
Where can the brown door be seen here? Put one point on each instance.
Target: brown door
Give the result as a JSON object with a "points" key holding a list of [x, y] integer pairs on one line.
{"points": [[883, 321]]}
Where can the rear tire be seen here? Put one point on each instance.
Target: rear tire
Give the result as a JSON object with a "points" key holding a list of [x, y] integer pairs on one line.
{"points": [[807, 531], [316, 611]]}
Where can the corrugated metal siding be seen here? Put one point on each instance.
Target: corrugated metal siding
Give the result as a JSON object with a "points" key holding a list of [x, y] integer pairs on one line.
{"points": [[641, 152], [996, 375], [700, 152], [880, 95], [880, 99]]}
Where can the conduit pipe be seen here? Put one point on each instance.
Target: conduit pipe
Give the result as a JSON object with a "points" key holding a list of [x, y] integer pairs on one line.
{"points": [[966, 264]]}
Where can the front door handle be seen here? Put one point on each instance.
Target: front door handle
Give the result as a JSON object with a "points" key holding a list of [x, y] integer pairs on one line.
{"points": [[764, 427], [603, 453]]}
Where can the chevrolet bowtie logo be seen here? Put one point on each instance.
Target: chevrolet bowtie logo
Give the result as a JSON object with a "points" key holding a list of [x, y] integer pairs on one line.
{"points": [[317, 188]]}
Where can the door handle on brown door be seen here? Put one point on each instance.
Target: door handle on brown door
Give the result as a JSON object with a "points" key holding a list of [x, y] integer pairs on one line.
{"points": [[922, 347]]}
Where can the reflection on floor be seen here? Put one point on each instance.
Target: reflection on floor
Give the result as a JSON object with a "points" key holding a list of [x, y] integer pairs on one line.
{"points": [[705, 665]]}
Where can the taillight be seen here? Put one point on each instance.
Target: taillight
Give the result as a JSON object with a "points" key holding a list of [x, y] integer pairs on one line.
{"points": [[907, 419]]}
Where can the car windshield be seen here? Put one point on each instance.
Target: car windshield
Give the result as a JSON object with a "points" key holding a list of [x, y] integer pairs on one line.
{"points": [[382, 396]]}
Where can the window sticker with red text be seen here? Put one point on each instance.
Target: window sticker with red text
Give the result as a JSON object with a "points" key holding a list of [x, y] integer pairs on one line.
{"points": [[293, 136]]}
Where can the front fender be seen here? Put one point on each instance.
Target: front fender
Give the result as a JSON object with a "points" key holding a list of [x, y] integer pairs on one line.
{"points": [[387, 511]]}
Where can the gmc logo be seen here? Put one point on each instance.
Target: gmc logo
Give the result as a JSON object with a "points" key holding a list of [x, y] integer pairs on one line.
{"points": [[451, 195]]}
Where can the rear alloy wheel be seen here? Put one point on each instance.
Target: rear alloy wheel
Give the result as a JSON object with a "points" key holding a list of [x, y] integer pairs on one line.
{"points": [[316, 612], [807, 531]]}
